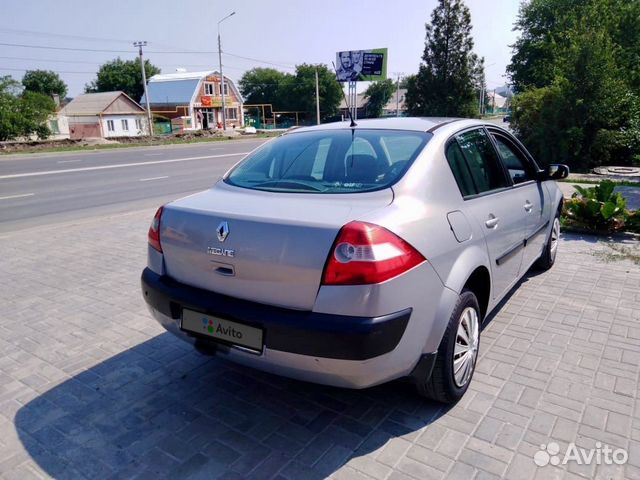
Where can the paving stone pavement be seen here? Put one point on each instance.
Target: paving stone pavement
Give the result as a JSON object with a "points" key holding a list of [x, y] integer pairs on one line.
{"points": [[91, 387]]}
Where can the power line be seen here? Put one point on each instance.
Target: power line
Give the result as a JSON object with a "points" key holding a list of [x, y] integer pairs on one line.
{"points": [[62, 35], [49, 60], [46, 47], [261, 61], [54, 71]]}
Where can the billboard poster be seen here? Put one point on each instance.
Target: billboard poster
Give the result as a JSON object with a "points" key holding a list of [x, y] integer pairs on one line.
{"points": [[362, 65]]}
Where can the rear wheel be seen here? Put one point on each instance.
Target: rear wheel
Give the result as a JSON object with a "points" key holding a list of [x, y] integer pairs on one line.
{"points": [[548, 257], [457, 354]]}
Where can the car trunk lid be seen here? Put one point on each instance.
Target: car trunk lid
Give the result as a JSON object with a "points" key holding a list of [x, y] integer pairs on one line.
{"points": [[260, 246]]}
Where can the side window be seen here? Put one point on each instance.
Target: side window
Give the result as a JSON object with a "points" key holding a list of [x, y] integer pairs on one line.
{"points": [[519, 168], [484, 166], [460, 170]]}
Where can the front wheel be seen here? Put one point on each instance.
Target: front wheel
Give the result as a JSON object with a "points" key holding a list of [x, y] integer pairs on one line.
{"points": [[548, 257], [457, 354]]}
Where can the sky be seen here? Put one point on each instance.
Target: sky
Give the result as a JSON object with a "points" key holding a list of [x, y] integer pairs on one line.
{"points": [[276, 33]]}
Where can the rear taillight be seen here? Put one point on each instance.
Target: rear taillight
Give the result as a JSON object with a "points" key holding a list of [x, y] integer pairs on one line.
{"points": [[365, 253], [154, 231]]}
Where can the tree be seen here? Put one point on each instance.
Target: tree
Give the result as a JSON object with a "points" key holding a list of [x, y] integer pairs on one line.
{"points": [[444, 85], [263, 86], [576, 89], [124, 75], [378, 95], [44, 81], [298, 93], [22, 113]]}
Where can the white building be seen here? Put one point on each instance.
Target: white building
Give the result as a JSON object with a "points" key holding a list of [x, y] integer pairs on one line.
{"points": [[103, 115]]}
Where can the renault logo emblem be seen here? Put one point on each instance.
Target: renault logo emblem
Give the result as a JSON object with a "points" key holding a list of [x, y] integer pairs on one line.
{"points": [[223, 231]]}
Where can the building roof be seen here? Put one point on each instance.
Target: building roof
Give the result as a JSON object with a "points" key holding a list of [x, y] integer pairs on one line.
{"points": [[179, 88], [168, 77], [97, 103], [171, 91]]}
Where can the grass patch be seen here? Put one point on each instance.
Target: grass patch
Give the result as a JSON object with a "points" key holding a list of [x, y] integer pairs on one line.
{"points": [[616, 252]]}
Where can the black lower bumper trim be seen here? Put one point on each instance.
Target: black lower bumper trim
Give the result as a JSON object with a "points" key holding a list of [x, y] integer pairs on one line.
{"points": [[302, 332]]}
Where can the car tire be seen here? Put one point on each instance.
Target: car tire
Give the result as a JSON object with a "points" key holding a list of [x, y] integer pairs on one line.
{"points": [[548, 257], [446, 385]]}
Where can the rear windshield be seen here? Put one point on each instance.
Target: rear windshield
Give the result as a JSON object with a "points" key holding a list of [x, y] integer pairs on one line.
{"points": [[330, 161]]}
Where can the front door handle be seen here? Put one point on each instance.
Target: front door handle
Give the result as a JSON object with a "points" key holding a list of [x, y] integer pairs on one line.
{"points": [[492, 222], [528, 206]]}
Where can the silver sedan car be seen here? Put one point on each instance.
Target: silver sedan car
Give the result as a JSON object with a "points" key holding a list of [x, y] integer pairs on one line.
{"points": [[355, 255]]}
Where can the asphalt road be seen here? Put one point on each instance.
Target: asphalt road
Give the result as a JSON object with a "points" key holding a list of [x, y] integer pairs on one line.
{"points": [[49, 188]]}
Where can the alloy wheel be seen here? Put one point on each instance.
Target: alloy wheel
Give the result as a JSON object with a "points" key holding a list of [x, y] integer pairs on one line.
{"points": [[466, 348]]}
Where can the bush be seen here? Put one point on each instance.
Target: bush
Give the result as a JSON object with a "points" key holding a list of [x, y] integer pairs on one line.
{"points": [[598, 210]]}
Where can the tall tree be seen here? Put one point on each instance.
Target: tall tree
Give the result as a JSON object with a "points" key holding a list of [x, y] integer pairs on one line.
{"points": [[299, 91], [44, 81], [22, 113], [378, 95], [124, 75], [263, 86], [444, 85], [577, 89]]}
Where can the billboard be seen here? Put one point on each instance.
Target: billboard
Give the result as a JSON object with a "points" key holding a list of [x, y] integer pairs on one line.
{"points": [[361, 65]]}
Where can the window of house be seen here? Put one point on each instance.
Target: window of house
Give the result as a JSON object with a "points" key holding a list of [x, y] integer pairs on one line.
{"points": [[226, 88], [125, 124], [138, 124], [53, 126], [232, 114], [110, 126], [209, 88]]}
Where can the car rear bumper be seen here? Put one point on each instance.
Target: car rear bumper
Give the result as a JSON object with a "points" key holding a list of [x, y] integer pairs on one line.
{"points": [[323, 338]]}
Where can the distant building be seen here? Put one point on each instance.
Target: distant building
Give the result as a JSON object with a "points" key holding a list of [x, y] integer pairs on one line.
{"points": [[497, 103], [389, 110], [102, 115], [193, 100]]}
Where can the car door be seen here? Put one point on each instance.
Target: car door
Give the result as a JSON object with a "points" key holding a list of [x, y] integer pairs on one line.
{"points": [[531, 194], [488, 197]]}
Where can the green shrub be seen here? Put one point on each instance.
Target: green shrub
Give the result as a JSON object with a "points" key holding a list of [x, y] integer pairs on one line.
{"points": [[598, 209]]}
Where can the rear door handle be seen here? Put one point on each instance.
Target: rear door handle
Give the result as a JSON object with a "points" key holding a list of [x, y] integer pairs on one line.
{"points": [[528, 206], [492, 222]]}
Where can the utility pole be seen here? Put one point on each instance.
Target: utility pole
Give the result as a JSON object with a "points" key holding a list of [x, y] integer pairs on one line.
{"points": [[317, 98], [224, 113], [144, 85], [398, 75]]}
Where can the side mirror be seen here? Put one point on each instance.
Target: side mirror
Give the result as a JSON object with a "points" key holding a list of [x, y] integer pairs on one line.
{"points": [[555, 171]]}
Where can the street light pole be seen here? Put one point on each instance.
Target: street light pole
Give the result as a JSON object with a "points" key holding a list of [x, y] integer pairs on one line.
{"points": [[224, 113], [317, 98], [144, 85]]}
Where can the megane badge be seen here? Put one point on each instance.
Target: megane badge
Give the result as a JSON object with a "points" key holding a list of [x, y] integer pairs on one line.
{"points": [[223, 231]]}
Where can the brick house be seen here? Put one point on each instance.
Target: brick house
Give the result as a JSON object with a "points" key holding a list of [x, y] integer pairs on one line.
{"points": [[193, 100]]}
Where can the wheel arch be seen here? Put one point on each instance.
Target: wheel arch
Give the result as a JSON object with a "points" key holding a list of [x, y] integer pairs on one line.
{"points": [[479, 282]]}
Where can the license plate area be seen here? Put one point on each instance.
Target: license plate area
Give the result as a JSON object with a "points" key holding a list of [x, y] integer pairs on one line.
{"points": [[223, 330]]}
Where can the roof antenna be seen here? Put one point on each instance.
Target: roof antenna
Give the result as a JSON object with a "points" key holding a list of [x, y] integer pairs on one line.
{"points": [[353, 124]]}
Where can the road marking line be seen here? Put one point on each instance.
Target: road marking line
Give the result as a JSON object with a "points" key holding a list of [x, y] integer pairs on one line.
{"points": [[18, 196], [153, 178], [122, 165], [152, 154], [69, 161]]}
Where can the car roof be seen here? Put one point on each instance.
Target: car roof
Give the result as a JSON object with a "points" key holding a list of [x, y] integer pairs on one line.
{"points": [[419, 124]]}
